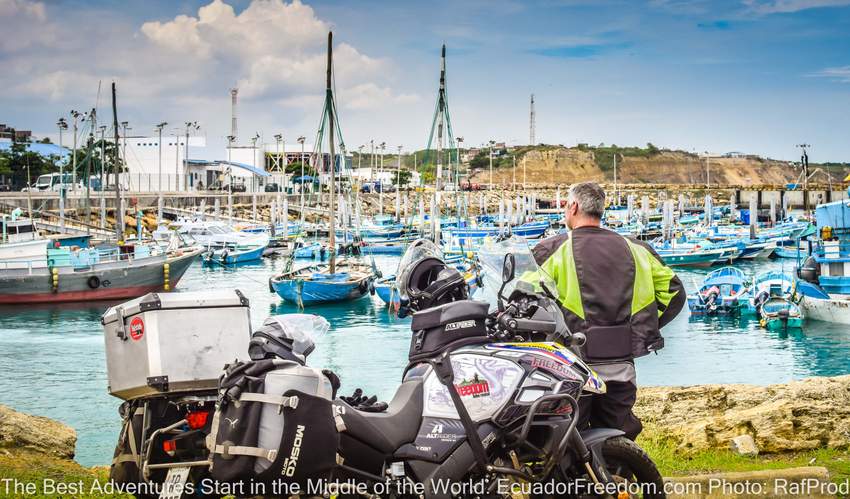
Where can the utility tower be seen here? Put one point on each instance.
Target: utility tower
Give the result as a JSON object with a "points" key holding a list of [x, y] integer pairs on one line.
{"points": [[531, 123], [233, 94], [442, 123]]}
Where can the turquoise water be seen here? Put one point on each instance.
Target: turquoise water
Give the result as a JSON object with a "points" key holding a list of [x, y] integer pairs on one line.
{"points": [[52, 360]]}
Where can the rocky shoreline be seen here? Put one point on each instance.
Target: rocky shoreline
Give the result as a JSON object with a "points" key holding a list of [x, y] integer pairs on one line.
{"points": [[801, 415]]}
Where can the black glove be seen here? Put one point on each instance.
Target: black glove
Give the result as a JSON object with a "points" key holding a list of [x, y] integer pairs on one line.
{"points": [[362, 403]]}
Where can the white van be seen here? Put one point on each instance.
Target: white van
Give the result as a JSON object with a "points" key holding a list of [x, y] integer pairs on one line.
{"points": [[51, 182]]}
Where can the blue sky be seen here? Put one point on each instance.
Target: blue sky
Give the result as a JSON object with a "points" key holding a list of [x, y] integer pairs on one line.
{"points": [[739, 75]]}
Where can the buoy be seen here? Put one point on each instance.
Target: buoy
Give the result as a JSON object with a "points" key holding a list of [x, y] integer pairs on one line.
{"points": [[55, 275]]}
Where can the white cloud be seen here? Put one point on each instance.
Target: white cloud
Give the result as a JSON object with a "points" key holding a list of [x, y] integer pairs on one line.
{"points": [[182, 68], [784, 6], [841, 74]]}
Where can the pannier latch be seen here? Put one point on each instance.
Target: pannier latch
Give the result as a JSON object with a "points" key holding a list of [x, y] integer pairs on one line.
{"points": [[420, 337], [122, 330], [158, 383]]}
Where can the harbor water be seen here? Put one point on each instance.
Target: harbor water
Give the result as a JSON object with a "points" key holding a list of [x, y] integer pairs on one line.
{"points": [[52, 358]]}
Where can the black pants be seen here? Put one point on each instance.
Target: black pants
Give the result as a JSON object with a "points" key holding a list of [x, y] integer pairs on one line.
{"points": [[612, 409]]}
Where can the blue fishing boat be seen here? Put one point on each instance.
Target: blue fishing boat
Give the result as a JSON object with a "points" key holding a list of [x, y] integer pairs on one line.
{"points": [[724, 291], [316, 284], [310, 250], [233, 253], [778, 313]]}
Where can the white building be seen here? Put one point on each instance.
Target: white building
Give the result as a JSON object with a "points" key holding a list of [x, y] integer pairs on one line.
{"points": [[151, 168]]}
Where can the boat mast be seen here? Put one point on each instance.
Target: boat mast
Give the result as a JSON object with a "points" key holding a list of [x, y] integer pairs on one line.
{"points": [[330, 111], [119, 215]]}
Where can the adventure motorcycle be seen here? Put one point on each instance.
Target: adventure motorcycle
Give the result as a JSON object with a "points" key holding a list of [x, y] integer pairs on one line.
{"points": [[482, 411]]}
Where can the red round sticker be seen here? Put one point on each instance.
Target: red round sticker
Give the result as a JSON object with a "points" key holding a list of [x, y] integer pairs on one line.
{"points": [[137, 328]]}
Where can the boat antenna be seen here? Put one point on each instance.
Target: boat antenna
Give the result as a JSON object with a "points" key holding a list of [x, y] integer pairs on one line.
{"points": [[119, 216], [330, 111]]}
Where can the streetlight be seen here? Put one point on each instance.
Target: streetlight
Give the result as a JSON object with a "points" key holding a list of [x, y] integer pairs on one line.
{"points": [[381, 180], [301, 140], [159, 128], [491, 163], [398, 168], [190, 125], [254, 159], [277, 138], [76, 115]]}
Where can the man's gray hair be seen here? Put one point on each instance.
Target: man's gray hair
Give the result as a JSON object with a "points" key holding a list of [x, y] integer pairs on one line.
{"points": [[590, 198]]}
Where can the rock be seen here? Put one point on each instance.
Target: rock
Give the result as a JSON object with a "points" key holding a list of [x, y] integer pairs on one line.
{"points": [[744, 445], [36, 433], [800, 415]]}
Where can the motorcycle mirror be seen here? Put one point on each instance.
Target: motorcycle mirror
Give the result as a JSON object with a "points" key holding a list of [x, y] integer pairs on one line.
{"points": [[509, 268], [578, 339]]}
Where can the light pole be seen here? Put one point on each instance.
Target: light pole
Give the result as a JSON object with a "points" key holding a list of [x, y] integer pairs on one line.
{"points": [[491, 163], [159, 128], [707, 171], [76, 115], [398, 173], [457, 172], [63, 125], [254, 159], [381, 181], [277, 139], [125, 126], [190, 125]]}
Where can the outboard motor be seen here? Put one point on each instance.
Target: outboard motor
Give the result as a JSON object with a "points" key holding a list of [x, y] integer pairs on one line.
{"points": [[809, 271]]}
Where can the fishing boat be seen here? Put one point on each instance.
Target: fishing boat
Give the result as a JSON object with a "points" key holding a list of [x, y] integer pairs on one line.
{"points": [[773, 300], [681, 257], [311, 251], [338, 280], [723, 291], [222, 244], [824, 276], [778, 313], [316, 284], [47, 274]]}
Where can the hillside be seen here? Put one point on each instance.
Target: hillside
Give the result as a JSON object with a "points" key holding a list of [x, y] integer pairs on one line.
{"points": [[554, 164]]}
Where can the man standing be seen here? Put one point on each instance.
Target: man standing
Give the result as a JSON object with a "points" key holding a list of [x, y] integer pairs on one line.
{"points": [[618, 292]]}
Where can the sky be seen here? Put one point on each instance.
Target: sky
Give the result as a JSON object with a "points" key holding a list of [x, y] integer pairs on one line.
{"points": [[757, 76]]}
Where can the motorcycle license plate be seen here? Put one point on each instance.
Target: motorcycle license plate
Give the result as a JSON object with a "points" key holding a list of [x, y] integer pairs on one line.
{"points": [[175, 483]]}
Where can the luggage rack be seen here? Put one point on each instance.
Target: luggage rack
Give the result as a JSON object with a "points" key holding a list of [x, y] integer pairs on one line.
{"points": [[147, 467]]}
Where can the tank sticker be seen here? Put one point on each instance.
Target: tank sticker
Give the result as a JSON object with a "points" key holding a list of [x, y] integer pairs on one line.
{"points": [[474, 387], [551, 365], [137, 328]]}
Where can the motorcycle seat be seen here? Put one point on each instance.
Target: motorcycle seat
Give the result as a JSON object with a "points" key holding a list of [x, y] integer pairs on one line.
{"points": [[389, 430]]}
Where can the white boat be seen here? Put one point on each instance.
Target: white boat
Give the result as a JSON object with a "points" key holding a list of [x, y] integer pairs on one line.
{"points": [[836, 308]]}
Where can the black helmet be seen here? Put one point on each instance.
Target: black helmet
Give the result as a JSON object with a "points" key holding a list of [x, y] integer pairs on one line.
{"points": [[287, 337], [424, 279]]}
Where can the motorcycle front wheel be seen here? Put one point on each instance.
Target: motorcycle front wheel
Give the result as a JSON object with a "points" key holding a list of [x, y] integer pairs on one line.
{"points": [[632, 469]]}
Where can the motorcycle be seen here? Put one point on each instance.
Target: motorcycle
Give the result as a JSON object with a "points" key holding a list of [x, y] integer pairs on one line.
{"points": [[487, 407]]}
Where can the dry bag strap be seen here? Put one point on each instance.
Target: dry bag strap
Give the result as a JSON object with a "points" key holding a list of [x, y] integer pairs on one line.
{"points": [[340, 423], [270, 399], [241, 450]]}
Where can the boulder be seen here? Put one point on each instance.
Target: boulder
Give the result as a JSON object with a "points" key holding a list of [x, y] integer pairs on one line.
{"points": [[36, 433], [745, 445], [796, 416]]}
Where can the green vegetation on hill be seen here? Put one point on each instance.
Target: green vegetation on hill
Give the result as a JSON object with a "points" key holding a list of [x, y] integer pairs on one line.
{"points": [[604, 155]]}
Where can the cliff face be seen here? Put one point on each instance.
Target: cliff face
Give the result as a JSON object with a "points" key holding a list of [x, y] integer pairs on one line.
{"points": [[802, 415], [567, 165]]}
